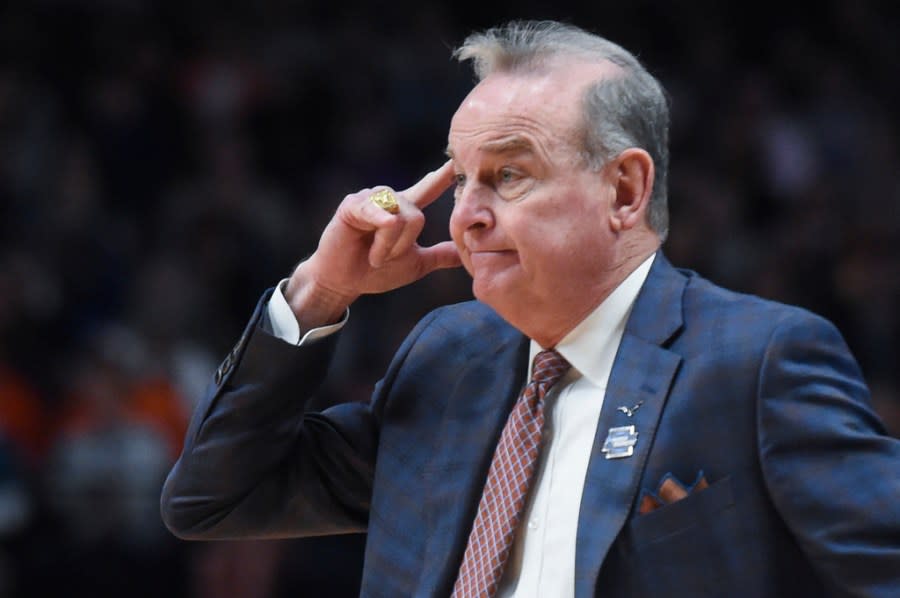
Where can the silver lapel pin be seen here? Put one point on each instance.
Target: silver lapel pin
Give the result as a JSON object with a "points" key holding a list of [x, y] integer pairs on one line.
{"points": [[620, 442], [629, 411]]}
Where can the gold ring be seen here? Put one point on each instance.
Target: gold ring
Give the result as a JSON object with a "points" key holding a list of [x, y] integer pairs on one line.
{"points": [[386, 200]]}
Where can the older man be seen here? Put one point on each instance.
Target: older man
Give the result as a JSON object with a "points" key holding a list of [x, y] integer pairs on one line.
{"points": [[597, 423]]}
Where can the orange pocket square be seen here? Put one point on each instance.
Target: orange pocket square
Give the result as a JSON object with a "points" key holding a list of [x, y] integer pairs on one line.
{"points": [[670, 490]]}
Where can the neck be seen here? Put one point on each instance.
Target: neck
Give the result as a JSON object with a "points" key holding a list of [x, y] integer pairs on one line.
{"points": [[565, 313]]}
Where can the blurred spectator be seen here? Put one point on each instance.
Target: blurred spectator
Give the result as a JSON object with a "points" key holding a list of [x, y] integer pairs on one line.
{"points": [[16, 510], [163, 163], [23, 422], [118, 431], [111, 452], [236, 569]]}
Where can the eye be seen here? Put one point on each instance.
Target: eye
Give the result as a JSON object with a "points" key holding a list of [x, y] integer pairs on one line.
{"points": [[460, 180], [508, 175]]}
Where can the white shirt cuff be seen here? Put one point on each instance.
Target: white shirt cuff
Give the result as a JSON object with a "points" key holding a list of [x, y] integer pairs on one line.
{"points": [[284, 322]]}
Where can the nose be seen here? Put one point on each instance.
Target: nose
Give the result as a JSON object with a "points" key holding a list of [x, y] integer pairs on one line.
{"points": [[471, 210]]}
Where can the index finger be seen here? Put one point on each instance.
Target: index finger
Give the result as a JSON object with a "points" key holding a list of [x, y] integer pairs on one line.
{"points": [[430, 187]]}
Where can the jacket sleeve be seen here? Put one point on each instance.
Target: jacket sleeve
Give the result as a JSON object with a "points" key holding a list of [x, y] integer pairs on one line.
{"points": [[831, 470], [255, 464]]}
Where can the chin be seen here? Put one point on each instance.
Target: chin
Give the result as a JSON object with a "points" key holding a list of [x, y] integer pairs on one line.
{"points": [[483, 291], [479, 291], [497, 297]]}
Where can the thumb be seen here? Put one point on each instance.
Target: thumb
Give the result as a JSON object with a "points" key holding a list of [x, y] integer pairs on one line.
{"points": [[438, 257]]}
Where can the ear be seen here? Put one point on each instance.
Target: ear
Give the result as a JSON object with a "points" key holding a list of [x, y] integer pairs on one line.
{"points": [[632, 177]]}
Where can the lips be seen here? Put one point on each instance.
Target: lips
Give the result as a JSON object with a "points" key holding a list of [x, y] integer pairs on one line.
{"points": [[491, 257], [489, 252]]}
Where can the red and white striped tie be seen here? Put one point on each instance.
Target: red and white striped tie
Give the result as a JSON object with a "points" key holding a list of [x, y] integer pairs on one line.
{"points": [[508, 480]]}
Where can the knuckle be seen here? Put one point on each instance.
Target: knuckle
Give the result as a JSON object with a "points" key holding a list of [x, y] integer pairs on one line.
{"points": [[391, 230], [416, 218], [354, 196], [417, 222]]}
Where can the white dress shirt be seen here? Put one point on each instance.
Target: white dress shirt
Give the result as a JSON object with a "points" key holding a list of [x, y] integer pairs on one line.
{"points": [[285, 325], [542, 562]]}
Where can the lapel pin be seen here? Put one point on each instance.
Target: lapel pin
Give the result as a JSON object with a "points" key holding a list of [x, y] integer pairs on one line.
{"points": [[620, 442], [629, 411]]}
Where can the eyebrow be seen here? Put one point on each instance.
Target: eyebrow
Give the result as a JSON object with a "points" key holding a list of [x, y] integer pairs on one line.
{"points": [[510, 144], [514, 143]]}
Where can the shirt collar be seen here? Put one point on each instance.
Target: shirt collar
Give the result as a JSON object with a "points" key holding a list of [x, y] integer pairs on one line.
{"points": [[592, 345]]}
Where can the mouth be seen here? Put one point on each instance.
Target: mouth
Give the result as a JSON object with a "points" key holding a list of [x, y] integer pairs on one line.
{"points": [[491, 257], [490, 252]]}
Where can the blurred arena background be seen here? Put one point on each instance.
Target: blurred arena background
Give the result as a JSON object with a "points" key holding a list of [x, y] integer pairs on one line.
{"points": [[162, 163]]}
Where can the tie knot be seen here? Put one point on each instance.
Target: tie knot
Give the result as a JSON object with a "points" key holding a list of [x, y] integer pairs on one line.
{"points": [[548, 367]]}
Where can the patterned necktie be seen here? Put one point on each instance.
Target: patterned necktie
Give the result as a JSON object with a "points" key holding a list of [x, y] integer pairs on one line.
{"points": [[506, 488]]}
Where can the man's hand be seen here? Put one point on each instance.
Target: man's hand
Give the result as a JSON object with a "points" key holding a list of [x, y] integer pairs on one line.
{"points": [[366, 249]]}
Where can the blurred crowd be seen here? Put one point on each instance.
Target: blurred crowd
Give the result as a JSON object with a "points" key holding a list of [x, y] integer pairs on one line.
{"points": [[162, 164]]}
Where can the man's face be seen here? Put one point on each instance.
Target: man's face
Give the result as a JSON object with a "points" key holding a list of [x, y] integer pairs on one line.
{"points": [[530, 219]]}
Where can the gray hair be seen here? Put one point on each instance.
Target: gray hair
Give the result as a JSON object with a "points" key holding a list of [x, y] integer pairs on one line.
{"points": [[630, 110]]}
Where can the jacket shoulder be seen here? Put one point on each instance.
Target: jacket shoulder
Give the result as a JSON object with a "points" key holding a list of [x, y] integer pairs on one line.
{"points": [[725, 308], [469, 320]]}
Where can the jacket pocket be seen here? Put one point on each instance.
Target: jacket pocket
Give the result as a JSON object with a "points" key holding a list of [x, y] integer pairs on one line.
{"points": [[702, 509], [686, 548]]}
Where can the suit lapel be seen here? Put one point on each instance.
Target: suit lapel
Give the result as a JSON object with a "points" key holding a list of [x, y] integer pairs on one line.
{"points": [[643, 371], [477, 410]]}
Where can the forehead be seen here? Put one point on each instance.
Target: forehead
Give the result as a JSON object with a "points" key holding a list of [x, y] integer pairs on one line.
{"points": [[508, 110]]}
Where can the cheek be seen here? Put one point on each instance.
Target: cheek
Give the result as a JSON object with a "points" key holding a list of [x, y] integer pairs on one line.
{"points": [[454, 222], [556, 243], [456, 229], [457, 235]]}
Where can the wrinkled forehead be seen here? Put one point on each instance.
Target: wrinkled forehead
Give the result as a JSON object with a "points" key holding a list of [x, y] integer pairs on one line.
{"points": [[547, 102]]}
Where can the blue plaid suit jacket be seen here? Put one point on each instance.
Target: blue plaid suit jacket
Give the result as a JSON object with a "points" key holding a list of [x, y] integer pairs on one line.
{"points": [[765, 399]]}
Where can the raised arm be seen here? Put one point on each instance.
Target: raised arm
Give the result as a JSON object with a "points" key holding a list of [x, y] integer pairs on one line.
{"points": [[366, 249], [255, 462]]}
